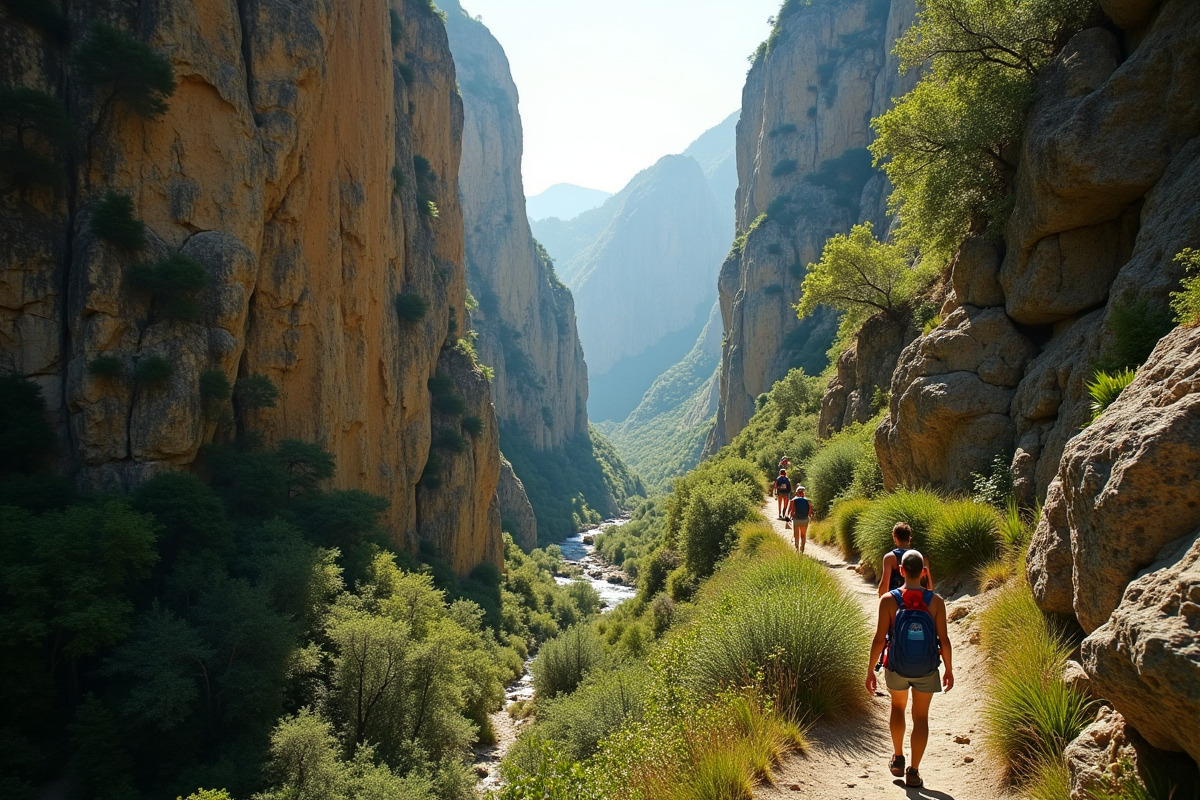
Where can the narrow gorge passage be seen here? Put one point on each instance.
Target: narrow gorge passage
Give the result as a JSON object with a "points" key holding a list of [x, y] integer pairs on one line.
{"points": [[847, 759]]}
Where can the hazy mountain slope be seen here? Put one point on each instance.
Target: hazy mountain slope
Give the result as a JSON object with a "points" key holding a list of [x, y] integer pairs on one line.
{"points": [[716, 152], [564, 201]]}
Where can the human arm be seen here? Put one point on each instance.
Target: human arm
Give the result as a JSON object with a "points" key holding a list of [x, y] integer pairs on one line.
{"points": [[928, 576], [886, 606], [886, 578], [947, 651]]}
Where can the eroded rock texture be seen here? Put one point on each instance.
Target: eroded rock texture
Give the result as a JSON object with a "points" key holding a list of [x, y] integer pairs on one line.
{"points": [[288, 165]]}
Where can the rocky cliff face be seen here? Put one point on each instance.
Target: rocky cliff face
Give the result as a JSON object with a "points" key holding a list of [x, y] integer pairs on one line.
{"points": [[804, 175], [295, 164], [526, 317]]}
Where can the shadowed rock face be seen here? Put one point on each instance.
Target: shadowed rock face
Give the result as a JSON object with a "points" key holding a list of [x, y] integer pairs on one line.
{"points": [[275, 168], [805, 119]]}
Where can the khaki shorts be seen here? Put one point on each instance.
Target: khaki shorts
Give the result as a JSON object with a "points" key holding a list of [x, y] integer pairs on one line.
{"points": [[930, 684]]}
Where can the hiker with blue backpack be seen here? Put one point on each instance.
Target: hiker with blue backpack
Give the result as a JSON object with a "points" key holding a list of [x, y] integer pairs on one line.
{"points": [[915, 618], [783, 492]]}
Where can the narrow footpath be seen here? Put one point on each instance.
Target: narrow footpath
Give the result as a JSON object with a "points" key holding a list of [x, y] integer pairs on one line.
{"points": [[847, 759]]}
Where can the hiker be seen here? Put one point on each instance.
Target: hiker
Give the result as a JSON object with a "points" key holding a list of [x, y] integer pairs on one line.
{"points": [[916, 619], [889, 574], [799, 512], [783, 490], [783, 462]]}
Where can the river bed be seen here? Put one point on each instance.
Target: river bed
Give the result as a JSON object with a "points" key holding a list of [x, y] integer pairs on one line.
{"points": [[612, 586]]}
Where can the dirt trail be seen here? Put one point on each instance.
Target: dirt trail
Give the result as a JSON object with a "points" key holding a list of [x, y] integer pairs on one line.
{"points": [[847, 759]]}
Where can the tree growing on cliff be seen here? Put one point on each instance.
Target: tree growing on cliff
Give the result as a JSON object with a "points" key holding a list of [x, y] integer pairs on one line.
{"points": [[859, 276], [135, 74]]}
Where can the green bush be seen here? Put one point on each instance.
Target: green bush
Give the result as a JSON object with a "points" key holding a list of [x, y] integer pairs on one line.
{"points": [[214, 385], [1134, 327], [33, 125], [965, 537], [1186, 302], [113, 221], [1030, 714], [449, 440], [709, 528], [786, 617], [153, 370], [1104, 388], [174, 283], [473, 425], [411, 307], [920, 509], [844, 517], [396, 26], [563, 662], [831, 473], [134, 72], [106, 366], [681, 585], [995, 487], [577, 722], [256, 391], [786, 167]]}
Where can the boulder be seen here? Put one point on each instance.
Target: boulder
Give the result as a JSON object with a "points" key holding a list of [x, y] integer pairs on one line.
{"points": [[863, 371], [1128, 480], [950, 400], [976, 272], [1146, 658], [1130, 14], [1048, 564], [1099, 755], [516, 513], [1076, 677]]}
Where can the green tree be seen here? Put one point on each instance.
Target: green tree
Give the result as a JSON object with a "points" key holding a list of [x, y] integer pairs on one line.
{"points": [[709, 529], [26, 438], [135, 74], [859, 276], [304, 760]]}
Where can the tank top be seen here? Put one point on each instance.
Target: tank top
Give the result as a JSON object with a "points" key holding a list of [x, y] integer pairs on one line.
{"points": [[897, 577]]}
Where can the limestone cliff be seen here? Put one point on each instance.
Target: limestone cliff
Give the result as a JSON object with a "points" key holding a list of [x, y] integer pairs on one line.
{"points": [[307, 161], [803, 175]]}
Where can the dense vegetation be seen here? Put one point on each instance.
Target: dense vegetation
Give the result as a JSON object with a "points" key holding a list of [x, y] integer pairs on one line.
{"points": [[255, 632], [572, 487]]}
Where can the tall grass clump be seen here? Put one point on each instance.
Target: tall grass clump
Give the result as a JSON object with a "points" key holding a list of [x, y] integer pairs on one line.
{"points": [[786, 620], [844, 519], [831, 473], [920, 509], [564, 661], [965, 537], [1031, 714], [1104, 388]]}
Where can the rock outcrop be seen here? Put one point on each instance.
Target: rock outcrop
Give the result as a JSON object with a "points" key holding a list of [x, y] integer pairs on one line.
{"points": [[296, 164], [804, 175]]}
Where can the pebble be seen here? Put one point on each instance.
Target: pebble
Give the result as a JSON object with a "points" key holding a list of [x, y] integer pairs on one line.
{"points": [[958, 613], [795, 787], [962, 739], [967, 759]]}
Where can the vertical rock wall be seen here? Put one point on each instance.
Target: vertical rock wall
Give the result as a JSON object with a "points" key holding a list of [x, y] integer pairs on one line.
{"points": [[285, 167], [804, 175]]}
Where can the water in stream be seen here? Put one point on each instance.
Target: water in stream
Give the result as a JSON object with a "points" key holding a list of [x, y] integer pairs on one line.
{"points": [[576, 552]]}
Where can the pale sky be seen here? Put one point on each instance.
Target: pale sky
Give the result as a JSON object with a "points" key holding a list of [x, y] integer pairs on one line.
{"points": [[608, 87]]}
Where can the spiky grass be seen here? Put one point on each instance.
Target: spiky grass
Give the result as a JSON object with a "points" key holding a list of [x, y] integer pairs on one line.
{"points": [[845, 518], [965, 537], [873, 534]]}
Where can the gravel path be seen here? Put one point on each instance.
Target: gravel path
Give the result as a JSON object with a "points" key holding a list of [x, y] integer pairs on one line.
{"points": [[847, 759]]}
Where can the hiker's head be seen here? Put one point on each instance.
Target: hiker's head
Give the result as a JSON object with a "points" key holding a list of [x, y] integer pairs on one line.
{"points": [[902, 533], [799, 491], [913, 564], [783, 472]]}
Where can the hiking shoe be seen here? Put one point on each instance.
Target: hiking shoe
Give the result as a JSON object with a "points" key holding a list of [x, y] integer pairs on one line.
{"points": [[897, 766], [913, 778]]}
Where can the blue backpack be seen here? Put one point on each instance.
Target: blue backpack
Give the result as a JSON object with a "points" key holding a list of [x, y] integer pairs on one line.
{"points": [[913, 651]]}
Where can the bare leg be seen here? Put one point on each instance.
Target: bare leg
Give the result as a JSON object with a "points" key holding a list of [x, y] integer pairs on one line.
{"points": [[896, 721], [796, 538], [920, 734], [803, 535]]}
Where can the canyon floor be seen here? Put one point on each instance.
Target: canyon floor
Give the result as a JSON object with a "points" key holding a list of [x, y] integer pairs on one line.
{"points": [[848, 759]]}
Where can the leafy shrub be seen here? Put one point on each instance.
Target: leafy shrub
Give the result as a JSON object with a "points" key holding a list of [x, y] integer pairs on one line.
{"points": [[787, 618], [965, 537], [786, 167], [605, 701], [653, 572], [106, 366], [709, 528], [681, 585], [153, 370], [1134, 328], [473, 425], [1105, 388], [662, 612], [33, 124], [1031, 714], [845, 516], [411, 307], [113, 221], [256, 391], [1186, 302], [396, 27], [449, 440], [137, 75], [563, 662], [174, 284], [831, 473], [995, 487], [214, 385], [873, 536]]}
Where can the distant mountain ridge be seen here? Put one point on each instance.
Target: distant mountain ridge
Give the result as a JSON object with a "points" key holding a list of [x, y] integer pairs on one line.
{"points": [[564, 201]]}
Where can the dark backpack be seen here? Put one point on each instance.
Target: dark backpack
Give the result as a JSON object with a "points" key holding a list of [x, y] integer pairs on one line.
{"points": [[782, 484], [913, 651], [800, 507], [896, 580]]}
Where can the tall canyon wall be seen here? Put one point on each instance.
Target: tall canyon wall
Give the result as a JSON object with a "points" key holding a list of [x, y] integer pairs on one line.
{"points": [[803, 175], [295, 163]]}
